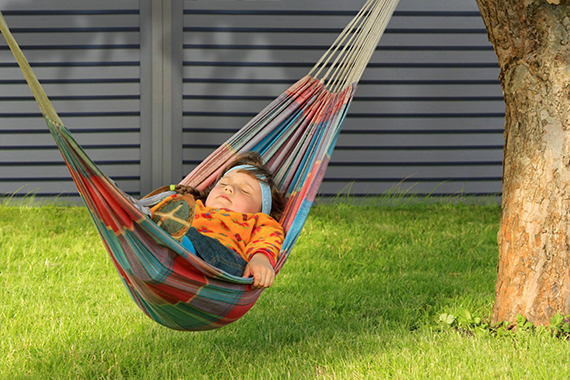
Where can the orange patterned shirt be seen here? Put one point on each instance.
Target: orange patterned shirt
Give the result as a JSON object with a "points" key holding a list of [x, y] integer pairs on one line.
{"points": [[246, 234]]}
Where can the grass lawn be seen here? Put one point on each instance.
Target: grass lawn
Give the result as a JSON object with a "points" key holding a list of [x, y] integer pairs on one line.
{"points": [[360, 298]]}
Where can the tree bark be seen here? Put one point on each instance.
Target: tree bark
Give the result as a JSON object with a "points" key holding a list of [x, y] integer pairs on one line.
{"points": [[532, 42]]}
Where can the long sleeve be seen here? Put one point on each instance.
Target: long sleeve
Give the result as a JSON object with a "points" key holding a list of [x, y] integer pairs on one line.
{"points": [[266, 238]]}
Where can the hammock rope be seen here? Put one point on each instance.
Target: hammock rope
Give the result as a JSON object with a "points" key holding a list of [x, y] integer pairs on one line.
{"points": [[353, 48], [295, 134]]}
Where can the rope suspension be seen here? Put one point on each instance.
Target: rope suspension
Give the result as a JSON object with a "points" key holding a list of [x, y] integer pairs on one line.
{"points": [[348, 56]]}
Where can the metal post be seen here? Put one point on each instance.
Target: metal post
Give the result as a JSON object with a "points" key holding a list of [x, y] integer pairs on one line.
{"points": [[161, 24]]}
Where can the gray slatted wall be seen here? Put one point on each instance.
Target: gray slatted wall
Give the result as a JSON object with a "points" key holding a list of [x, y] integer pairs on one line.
{"points": [[428, 113], [86, 54]]}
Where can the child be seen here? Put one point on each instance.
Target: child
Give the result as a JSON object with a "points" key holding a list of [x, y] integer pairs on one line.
{"points": [[234, 224]]}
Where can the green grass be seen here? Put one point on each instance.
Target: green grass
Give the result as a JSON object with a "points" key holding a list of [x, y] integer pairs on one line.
{"points": [[359, 298]]}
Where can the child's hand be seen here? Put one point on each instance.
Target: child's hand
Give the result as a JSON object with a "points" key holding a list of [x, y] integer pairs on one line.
{"points": [[260, 268]]}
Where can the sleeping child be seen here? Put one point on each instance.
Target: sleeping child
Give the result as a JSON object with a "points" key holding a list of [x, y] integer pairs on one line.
{"points": [[233, 225]]}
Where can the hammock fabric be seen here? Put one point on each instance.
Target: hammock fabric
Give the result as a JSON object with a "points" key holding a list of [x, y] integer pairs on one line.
{"points": [[295, 134]]}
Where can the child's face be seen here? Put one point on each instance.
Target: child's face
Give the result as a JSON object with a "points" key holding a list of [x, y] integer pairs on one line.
{"points": [[236, 191]]}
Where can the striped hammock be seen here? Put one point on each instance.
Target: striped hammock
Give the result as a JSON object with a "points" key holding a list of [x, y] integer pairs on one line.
{"points": [[295, 135]]}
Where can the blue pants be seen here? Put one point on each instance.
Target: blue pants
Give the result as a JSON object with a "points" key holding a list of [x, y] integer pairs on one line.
{"points": [[213, 252]]}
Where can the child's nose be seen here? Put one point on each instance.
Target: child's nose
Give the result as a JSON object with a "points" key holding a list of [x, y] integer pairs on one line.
{"points": [[229, 189]]}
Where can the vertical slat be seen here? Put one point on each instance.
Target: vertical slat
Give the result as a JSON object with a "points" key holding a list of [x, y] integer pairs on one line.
{"points": [[176, 30], [147, 143], [163, 93], [158, 91]]}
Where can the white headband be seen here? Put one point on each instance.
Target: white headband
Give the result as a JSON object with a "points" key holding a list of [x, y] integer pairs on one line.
{"points": [[265, 190]]}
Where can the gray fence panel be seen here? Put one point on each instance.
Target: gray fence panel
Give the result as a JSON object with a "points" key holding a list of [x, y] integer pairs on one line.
{"points": [[428, 113], [87, 56]]}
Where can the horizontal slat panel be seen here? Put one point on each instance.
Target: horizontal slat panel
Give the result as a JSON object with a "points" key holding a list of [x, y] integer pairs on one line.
{"points": [[392, 40], [19, 157], [368, 117], [228, 124], [60, 171], [326, 20], [108, 74], [75, 6], [427, 20], [331, 5], [469, 38], [380, 57], [74, 44], [393, 155], [424, 106], [124, 106], [108, 139], [270, 91], [110, 19], [425, 156], [448, 6], [373, 173], [86, 55], [395, 73], [381, 141], [49, 188], [423, 140], [82, 86], [36, 123]]}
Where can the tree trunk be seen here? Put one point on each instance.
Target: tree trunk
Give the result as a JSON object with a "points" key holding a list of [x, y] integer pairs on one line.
{"points": [[532, 43]]}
